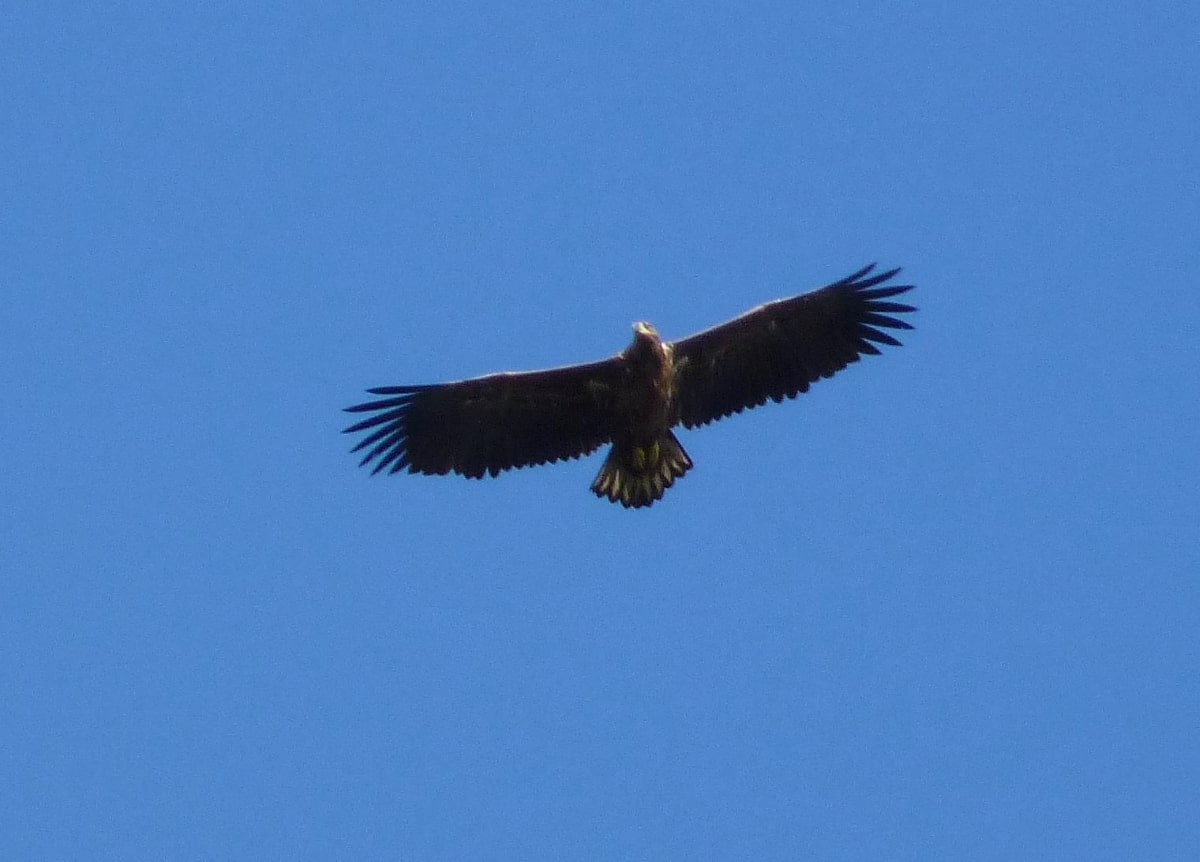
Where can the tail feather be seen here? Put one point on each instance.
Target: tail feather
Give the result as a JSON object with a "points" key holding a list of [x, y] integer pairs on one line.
{"points": [[636, 476]]}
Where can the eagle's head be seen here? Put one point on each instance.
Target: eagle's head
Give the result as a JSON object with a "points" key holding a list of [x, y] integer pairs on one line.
{"points": [[643, 331], [647, 347]]}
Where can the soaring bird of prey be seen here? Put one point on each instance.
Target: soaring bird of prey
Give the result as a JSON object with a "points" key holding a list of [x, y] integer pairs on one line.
{"points": [[488, 424]]}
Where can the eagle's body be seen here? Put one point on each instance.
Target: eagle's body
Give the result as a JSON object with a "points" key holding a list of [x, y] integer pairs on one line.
{"points": [[633, 400], [646, 459]]}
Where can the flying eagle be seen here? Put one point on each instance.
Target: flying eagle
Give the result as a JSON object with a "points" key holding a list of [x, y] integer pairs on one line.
{"points": [[488, 424]]}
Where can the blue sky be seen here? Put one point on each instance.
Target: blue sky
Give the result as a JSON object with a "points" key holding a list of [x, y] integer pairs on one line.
{"points": [[943, 606]]}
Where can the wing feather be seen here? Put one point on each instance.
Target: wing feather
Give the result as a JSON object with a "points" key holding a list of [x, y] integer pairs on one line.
{"points": [[488, 424], [777, 350]]}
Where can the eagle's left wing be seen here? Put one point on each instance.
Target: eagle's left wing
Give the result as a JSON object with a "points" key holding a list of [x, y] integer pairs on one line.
{"points": [[776, 350]]}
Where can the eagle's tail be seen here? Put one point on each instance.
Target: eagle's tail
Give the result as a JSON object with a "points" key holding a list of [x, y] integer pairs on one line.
{"points": [[638, 475]]}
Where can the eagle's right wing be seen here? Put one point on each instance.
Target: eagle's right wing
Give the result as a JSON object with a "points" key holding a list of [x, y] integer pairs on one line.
{"points": [[493, 423]]}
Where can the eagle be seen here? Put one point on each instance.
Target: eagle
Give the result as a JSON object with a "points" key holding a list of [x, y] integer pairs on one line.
{"points": [[485, 425]]}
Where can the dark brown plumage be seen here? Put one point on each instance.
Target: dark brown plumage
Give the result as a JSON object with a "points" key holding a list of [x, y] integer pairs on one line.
{"points": [[633, 400]]}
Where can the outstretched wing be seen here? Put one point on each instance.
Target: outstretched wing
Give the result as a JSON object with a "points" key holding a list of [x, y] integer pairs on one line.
{"points": [[493, 423], [778, 349]]}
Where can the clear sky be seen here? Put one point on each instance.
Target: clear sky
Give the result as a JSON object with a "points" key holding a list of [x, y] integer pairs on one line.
{"points": [[945, 606]]}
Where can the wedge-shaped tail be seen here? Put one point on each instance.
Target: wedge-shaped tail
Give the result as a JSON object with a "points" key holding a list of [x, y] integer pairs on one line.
{"points": [[636, 476]]}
